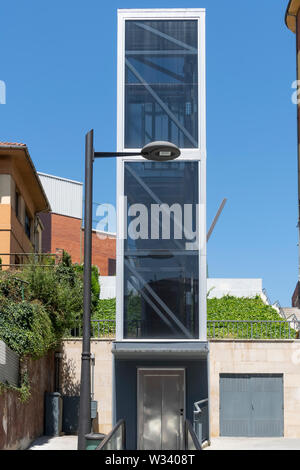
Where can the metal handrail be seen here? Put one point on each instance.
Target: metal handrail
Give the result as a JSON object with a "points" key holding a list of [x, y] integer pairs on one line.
{"points": [[277, 304], [253, 329], [189, 431], [119, 424], [197, 404]]}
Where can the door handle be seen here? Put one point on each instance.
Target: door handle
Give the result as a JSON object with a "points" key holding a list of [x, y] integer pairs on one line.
{"points": [[181, 411]]}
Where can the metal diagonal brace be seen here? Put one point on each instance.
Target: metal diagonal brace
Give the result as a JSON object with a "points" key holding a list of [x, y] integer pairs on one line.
{"points": [[158, 201], [152, 304], [161, 103], [166, 36], [159, 300]]}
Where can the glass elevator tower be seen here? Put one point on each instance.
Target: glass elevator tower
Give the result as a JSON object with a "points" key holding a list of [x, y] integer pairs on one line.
{"points": [[160, 352]]}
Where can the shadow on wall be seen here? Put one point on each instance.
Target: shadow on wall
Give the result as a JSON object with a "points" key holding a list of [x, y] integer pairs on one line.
{"points": [[70, 384], [70, 389]]}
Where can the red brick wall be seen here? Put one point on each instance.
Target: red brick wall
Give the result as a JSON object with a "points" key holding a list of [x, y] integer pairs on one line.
{"points": [[62, 232], [21, 423], [46, 234], [65, 234], [103, 249]]}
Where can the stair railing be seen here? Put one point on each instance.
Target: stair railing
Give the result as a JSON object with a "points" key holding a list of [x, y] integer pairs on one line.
{"points": [[190, 437], [116, 439]]}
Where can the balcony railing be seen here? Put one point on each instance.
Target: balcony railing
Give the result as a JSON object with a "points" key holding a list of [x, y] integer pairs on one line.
{"points": [[216, 329], [23, 259], [252, 329]]}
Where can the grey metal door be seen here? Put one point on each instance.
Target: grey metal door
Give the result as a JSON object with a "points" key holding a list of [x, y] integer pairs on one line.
{"points": [[251, 405], [160, 409]]}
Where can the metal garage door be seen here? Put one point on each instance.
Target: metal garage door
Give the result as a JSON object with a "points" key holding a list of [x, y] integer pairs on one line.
{"points": [[251, 405]]}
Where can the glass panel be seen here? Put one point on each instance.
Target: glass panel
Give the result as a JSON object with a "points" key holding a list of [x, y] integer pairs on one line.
{"points": [[164, 197], [161, 262], [161, 82]]}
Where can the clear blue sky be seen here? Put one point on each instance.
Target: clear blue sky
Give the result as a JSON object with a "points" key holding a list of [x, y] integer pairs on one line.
{"points": [[58, 60]]}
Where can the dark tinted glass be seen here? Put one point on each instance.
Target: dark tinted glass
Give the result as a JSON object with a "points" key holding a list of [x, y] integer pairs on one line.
{"points": [[161, 269], [161, 91]]}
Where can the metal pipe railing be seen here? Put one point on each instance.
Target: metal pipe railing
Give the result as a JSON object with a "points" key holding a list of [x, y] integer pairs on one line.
{"points": [[116, 439], [253, 329], [191, 439], [216, 329]]}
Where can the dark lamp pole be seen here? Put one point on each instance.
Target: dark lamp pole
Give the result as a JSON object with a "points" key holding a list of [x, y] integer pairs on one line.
{"points": [[155, 151]]}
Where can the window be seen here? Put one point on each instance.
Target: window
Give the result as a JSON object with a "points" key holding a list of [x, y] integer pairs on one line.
{"points": [[111, 267], [161, 264], [161, 82], [27, 225]]}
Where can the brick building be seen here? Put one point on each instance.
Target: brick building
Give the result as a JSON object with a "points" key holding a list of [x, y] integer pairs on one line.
{"points": [[63, 226]]}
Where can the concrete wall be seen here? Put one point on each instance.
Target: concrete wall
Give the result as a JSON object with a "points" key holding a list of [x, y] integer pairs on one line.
{"points": [[21, 423], [258, 357], [280, 357], [70, 376]]}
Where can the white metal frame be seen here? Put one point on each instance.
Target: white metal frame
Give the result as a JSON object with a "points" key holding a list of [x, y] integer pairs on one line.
{"points": [[198, 154]]}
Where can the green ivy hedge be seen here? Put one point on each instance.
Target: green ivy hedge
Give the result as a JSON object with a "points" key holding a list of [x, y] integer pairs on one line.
{"points": [[245, 309], [26, 328], [39, 303], [225, 308]]}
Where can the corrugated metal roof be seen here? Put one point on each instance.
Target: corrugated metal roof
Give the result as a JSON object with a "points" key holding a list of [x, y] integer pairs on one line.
{"points": [[65, 196], [60, 178]]}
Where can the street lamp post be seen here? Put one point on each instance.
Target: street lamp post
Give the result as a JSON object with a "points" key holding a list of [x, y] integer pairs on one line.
{"points": [[155, 151]]}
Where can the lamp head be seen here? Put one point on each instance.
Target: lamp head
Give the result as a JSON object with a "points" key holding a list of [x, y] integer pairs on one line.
{"points": [[160, 151]]}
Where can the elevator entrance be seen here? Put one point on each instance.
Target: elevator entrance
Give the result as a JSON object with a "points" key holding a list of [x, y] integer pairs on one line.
{"points": [[161, 409]]}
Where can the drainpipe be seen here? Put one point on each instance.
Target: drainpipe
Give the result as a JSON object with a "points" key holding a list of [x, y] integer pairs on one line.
{"points": [[58, 357], [93, 376]]}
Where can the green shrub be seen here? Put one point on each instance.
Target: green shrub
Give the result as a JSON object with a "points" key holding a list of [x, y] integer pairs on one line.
{"points": [[59, 288], [95, 287], [39, 303], [106, 310], [222, 309], [26, 328], [245, 309]]}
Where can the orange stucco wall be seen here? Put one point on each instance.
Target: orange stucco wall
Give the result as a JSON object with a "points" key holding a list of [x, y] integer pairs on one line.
{"points": [[13, 238]]}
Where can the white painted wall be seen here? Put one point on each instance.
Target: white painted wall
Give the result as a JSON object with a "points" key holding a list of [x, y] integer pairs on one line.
{"points": [[215, 287], [107, 287], [236, 287]]}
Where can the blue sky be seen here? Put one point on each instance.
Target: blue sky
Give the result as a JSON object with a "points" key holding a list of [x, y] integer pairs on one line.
{"points": [[58, 60]]}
